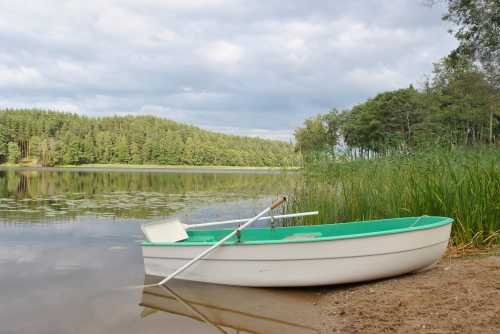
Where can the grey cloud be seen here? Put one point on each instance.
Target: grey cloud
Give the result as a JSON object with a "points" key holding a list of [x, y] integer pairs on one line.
{"points": [[243, 67]]}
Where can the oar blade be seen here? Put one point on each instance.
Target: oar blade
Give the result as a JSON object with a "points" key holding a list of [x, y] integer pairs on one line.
{"points": [[169, 230]]}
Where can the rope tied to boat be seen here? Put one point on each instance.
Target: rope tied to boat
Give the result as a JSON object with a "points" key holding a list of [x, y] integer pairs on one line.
{"points": [[418, 220]]}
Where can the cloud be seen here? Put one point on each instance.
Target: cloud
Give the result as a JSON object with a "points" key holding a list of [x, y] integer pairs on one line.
{"points": [[251, 67], [223, 52], [19, 77]]}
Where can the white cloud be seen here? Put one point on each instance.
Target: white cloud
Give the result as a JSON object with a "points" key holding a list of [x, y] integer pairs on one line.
{"points": [[168, 36], [18, 76], [223, 52]]}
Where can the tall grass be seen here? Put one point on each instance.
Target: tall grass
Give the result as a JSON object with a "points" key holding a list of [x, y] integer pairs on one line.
{"points": [[461, 183]]}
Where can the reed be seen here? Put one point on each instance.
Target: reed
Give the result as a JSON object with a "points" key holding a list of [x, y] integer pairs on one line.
{"points": [[461, 183]]}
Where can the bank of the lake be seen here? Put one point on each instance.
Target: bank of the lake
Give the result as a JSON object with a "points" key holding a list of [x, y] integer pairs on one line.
{"points": [[458, 295], [154, 168]]}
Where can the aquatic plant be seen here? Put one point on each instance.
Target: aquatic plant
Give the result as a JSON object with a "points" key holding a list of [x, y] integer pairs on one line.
{"points": [[461, 183]]}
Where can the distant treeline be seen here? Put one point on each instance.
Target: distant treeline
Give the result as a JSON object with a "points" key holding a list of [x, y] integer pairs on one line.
{"points": [[52, 138]]}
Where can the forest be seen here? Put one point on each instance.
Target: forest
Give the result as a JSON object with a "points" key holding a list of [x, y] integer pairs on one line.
{"points": [[52, 138]]}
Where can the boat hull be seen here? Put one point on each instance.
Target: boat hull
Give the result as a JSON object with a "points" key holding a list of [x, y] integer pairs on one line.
{"points": [[322, 262]]}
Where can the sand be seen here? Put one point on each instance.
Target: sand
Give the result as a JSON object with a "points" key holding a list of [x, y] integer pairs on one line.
{"points": [[458, 295]]}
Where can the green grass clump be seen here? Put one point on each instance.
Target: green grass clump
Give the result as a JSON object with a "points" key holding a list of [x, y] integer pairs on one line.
{"points": [[461, 183]]}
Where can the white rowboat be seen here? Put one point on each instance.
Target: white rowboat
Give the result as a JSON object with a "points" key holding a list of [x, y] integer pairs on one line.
{"points": [[305, 255]]}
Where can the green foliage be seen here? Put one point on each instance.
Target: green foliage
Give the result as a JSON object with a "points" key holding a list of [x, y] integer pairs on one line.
{"points": [[14, 154], [3, 142], [135, 157], [478, 29], [318, 133], [120, 151], [55, 138], [386, 121]]}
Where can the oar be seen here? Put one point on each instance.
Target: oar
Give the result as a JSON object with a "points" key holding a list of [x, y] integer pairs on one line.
{"points": [[291, 215], [230, 235]]}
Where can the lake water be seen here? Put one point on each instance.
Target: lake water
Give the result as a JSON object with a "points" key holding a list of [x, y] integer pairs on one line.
{"points": [[71, 262]]}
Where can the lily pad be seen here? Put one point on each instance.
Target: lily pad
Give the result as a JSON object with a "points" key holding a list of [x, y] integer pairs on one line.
{"points": [[117, 247]]}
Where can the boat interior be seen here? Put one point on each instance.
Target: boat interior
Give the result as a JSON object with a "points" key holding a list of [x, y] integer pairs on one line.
{"points": [[313, 232]]}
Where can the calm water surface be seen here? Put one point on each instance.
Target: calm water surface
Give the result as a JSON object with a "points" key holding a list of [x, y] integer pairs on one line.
{"points": [[70, 259]]}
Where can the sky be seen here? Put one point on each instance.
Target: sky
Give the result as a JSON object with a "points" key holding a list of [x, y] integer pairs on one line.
{"points": [[245, 67]]}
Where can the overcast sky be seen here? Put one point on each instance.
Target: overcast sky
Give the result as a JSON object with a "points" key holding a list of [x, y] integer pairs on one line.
{"points": [[256, 67]]}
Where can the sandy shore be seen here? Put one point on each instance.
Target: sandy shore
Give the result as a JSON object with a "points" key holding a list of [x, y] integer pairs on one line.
{"points": [[458, 295]]}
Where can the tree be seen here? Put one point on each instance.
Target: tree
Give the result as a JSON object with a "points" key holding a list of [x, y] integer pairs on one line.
{"points": [[208, 150], [3, 142], [478, 32], [103, 147], [87, 150], [389, 120], [147, 148], [463, 96], [331, 122], [170, 150], [34, 143], [188, 154], [318, 133], [120, 150], [479, 37], [135, 157], [71, 148], [14, 153]]}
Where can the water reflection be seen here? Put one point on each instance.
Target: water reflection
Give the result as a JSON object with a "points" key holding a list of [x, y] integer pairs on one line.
{"points": [[231, 309], [48, 195]]}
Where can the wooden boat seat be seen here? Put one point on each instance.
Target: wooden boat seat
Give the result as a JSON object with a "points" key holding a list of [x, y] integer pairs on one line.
{"points": [[302, 236]]}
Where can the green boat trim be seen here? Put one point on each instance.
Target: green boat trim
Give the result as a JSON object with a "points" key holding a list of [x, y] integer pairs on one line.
{"points": [[310, 233]]}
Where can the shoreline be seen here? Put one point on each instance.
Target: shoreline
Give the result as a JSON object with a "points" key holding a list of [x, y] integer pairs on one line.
{"points": [[157, 169]]}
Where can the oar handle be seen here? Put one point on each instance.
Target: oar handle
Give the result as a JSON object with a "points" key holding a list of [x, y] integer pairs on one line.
{"points": [[277, 203]]}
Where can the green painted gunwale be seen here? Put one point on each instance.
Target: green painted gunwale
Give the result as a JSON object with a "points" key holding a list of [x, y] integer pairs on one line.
{"points": [[257, 236]]}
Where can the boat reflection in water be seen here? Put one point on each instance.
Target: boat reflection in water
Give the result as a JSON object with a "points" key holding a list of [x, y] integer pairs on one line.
{"points": [[233, 309]]}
